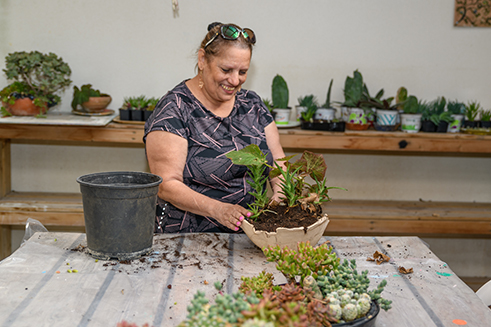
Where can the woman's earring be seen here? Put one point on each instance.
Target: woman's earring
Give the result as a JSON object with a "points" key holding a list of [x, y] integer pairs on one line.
{"points": [[200, 83]]}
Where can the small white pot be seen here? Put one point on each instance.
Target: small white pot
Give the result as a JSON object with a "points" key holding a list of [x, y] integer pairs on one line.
{"points": [[410, 123], [300, 109], [282, 116], [354, 115], [454, 127], [387, 117], [325, 113]]}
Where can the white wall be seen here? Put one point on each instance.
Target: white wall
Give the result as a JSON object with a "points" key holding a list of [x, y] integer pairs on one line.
{"points": [[128, 48]]}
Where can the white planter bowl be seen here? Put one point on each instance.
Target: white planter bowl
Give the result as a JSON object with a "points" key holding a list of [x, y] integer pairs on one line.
{"points": [[410, 123], [286, 236]]}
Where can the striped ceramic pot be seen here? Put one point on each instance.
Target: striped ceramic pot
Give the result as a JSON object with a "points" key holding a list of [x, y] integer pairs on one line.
{"points": [[387, 117]]}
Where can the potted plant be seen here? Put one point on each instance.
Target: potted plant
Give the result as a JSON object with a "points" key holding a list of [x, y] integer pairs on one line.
{"points": [[353, 112], [91, 100], [133, 108], [386, 112], [435, 118], [411, 114], [471, 111], [329, 293], [457, 110], [326, 110], [274, 223], [280, 97], [307, 108], [37, 78], [486, 118]]}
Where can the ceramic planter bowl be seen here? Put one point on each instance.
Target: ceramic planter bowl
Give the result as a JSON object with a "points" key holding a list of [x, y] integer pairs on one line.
{"points": [[97, 104], [286, 236], [24, 107]]}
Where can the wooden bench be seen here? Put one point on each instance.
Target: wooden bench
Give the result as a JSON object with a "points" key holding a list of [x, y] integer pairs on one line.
{"points": [[347, 217]]}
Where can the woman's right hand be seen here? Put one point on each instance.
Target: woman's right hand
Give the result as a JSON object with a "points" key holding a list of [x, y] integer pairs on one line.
{"points": [[231, 215]]}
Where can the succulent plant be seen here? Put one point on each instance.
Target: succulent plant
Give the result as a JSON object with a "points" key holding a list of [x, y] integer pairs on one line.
{"points": [[303, 262], [258, 284], [309, 102], [279, 92], [471, 110]]}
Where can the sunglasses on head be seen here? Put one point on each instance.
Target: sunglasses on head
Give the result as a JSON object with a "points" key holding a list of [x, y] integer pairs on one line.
{"points": [[230, 32]]}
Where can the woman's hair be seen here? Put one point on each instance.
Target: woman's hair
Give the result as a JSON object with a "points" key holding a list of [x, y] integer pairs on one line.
{"points": [[214, 48]]}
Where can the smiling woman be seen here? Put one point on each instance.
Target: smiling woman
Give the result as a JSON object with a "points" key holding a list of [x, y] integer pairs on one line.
{"points": [[199, 121]]}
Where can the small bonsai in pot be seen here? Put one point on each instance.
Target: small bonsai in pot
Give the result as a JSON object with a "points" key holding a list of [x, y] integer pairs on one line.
{"points": [[37, 80], [471, 112], [278, 223], [91, 100]]}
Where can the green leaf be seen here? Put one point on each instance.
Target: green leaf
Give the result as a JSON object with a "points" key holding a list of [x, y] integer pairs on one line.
{"points": [[251, 155], [279, 92]]}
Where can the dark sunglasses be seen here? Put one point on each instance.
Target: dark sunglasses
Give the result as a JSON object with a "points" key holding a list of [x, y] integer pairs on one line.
{"points": [[230, 32]]}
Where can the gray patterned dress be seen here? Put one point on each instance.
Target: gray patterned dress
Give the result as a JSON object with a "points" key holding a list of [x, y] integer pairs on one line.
{"points": [[208, 171]]}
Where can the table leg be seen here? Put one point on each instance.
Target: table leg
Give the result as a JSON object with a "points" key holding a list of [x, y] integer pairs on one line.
{"points": [[5, 241]]}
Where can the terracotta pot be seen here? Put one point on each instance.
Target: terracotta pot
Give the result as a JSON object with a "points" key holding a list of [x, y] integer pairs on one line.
{"points": [[24, 107], [97, 104], [357, 127], [286, 236]]}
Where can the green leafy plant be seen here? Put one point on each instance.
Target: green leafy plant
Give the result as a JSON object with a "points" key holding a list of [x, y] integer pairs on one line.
{"points": [[309, 102], [293, 185], [435, 112], [456, 108], [279, 92], [355, 91], [411, 105], [258, 284], [84, 94], [152, 102], [268, 104], [42, 76], [472, 110], [485, 115]]}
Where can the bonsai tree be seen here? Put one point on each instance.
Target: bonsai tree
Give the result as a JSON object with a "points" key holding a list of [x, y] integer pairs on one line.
{"points": [[279, 92], [309, 102], [84, 94], [36, 76]]}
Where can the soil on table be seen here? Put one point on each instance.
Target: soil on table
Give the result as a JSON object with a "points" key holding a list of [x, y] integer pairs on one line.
{"points": [[284, 216]]}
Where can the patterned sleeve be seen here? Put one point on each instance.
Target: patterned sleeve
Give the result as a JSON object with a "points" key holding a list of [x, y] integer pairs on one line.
{"points": [[265, 117], [169, 116]]}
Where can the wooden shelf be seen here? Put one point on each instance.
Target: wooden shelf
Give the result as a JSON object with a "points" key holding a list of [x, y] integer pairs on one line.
{"points": [[347, 217]]}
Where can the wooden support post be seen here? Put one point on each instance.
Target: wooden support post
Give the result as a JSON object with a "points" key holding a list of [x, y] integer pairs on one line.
{"points": [[5, 241], [5, 179]]}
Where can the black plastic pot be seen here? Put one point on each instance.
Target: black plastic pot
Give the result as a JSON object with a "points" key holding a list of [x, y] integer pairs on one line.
{"points": [[471, 124], [147, 114], [136, 115], [367, 321], [323, 125], [124, 114], [119, 213], [428, 126], [442, 127], [486, 124]]}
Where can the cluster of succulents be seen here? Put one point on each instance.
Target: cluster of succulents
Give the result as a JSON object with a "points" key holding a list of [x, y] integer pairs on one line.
{"points": [[325, 292], [308, 260]]}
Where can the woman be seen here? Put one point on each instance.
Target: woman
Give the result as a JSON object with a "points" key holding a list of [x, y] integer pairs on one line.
{"points": [[195, 125]]}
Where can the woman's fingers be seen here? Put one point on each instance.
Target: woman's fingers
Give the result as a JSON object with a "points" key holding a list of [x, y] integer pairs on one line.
{"points": [[233, 216]]}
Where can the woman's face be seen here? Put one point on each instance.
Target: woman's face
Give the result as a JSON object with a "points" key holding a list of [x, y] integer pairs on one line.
{"points": [[223, 75]]}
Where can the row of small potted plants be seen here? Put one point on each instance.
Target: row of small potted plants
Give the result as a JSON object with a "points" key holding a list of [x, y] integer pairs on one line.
{"points": [[360, 110]]}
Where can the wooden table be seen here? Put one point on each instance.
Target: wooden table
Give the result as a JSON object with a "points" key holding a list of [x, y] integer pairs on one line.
{"points": [[157, 289]]}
